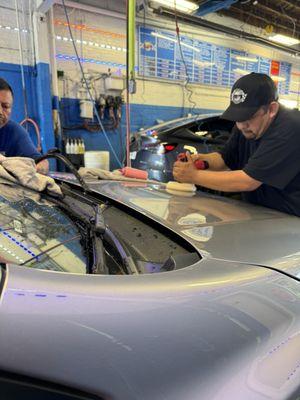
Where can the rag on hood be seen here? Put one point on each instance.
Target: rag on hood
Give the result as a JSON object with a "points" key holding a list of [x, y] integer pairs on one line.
{"points": [[97, 173], [22, 170]]}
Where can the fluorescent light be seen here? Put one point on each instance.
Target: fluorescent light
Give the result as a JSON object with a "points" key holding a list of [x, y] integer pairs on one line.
{"points": [[289, 103], [288, 41], [245, 58], [190, 47], [159, 35], [163, 37], [180, 5], [241, 71], [204, 64], [277, 78], [92, 44]]}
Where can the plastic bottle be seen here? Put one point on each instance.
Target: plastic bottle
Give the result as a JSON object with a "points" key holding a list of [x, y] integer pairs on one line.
{"points": [[76, 147], [82, 146], [72, 146], [67, 146]]}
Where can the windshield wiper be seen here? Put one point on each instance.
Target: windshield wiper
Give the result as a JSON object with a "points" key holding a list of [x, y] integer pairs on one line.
{"points": [[93, 230], [55, 154], [127, 260], [97, 265]]}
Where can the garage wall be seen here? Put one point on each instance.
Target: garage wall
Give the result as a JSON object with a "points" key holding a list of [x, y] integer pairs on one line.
{"points": [[35, 68], [155, 99]]}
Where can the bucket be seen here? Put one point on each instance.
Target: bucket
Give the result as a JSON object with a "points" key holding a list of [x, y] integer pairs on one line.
{"points": [[96, 159]]}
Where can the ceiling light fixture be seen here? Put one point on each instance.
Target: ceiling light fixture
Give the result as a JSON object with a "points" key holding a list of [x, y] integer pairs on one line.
{"points": [[180, 5], [282, 39]]}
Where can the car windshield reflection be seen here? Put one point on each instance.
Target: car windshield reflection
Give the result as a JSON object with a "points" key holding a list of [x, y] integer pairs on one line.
{"points": [[63, 236]]}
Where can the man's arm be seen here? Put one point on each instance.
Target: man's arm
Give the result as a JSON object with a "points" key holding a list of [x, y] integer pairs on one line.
{"points": [[226, 181], [215, 161], [43, 167]]}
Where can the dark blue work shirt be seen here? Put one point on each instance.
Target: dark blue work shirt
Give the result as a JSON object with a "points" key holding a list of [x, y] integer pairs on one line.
{"points": [[15, 142]]}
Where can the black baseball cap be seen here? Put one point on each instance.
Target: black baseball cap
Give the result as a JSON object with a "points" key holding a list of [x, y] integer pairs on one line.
{"points": [[248, 94]]}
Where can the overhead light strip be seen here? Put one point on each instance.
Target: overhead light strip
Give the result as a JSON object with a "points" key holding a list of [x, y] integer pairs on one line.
{"points": [[282, 39], [89, 29], [179, 5], [92, 44], [204, 64], [159, 35], [246, 58], [240, 35], [13, 28]]}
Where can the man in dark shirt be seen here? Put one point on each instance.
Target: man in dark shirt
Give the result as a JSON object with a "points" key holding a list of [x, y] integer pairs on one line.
{"points": [[14, 140], [262, 157]]}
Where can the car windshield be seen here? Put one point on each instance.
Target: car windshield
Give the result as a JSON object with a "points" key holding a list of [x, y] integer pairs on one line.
{"points": [[61, 236], [35, 232]]}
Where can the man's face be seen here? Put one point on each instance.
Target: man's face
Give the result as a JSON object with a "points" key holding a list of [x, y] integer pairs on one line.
{"points": [[6, 101], [254, 127]]}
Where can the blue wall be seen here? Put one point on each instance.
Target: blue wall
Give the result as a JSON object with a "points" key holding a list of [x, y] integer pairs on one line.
{"points": [[38, 96], [140, 116], [39, 103]]}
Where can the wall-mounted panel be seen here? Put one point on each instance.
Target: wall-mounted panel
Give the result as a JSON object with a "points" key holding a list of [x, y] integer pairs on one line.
{"points": [[162, 55]]}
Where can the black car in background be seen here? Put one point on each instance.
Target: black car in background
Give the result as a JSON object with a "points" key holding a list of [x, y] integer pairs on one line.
{"points": [[155, 149]]}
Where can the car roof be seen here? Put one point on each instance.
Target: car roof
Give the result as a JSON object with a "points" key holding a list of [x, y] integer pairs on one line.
{"points": [[178, 122]]}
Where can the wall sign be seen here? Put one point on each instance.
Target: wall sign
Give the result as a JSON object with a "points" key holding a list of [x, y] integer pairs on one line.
{"points": [[206, 63]]}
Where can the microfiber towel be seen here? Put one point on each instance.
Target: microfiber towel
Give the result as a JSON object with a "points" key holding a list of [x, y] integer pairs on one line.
{"points": [[22, 170], [96, 173]]}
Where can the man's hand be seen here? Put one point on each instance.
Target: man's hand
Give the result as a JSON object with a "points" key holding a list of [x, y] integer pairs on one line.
{"points": [[195, 157], [42, 167], [185, 171]]}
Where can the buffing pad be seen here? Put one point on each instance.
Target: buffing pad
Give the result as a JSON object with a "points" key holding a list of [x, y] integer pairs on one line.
{"points": [[181, 187]]}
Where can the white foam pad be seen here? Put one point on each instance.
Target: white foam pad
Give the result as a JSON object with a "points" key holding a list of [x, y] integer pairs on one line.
{"points": [[181, 187]]}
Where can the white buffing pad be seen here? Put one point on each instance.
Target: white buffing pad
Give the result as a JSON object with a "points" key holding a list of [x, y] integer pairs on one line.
{"points": [[181, 187]]}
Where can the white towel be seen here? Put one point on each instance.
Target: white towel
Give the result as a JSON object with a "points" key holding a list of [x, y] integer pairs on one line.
{"points": [[22, 170], [96, 173]]}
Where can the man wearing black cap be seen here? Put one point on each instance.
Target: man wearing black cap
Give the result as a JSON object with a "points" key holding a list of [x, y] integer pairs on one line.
{"points": [[262, 157]]}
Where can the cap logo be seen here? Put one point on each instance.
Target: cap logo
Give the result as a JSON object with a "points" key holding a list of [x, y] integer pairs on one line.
{"points": [[238, 96]]}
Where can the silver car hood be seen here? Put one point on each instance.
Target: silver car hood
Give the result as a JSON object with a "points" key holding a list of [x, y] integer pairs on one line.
{"points": [[214, 330], [216, 226]]}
